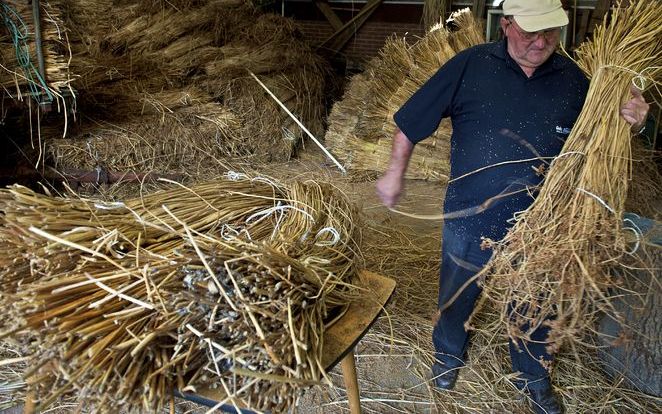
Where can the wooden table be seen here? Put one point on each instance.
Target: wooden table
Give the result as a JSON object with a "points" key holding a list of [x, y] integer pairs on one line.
{"points": [[339, 342]]}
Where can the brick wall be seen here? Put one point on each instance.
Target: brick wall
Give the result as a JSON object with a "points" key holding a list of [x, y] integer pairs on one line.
{"points": [[387, 20], [366, 43]]}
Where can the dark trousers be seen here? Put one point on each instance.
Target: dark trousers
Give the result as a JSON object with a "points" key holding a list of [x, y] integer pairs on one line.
{"points": [[461, 259]]}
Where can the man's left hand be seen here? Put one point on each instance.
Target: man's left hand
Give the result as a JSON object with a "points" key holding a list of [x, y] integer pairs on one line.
{"points": [[635, 110]]}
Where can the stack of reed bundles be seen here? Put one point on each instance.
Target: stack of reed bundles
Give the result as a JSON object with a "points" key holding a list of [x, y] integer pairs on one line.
{"points": [[557, 258], [18, 30], [139, 62], [227, 283], [361, 125]]}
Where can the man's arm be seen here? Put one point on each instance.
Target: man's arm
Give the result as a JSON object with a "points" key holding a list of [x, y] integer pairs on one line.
{"points": [[391, 184]]}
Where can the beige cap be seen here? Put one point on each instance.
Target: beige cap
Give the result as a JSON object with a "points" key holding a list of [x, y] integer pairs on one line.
{"points": [[536, 15]]}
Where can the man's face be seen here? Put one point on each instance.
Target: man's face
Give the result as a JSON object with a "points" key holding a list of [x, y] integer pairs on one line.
{"points": [[528, 49]]}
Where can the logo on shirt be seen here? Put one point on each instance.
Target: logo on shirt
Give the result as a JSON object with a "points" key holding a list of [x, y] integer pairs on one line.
{"points": [[562, 130]]}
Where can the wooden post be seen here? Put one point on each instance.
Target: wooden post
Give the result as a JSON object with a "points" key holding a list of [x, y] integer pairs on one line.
{"points": [[351, 383]]}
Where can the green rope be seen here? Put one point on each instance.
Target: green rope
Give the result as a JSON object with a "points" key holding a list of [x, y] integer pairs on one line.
{"points": [[20, 35]]}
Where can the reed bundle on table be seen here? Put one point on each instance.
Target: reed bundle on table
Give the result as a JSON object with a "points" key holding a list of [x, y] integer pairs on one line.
{"points": [[373, 97], [227, 283], [555, 261]]}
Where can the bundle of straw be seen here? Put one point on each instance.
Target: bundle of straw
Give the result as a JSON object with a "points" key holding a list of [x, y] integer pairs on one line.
{"points": [[228, 283], [19, 70], [433, 11], [555, 261], [143, 54], [373, 97]]}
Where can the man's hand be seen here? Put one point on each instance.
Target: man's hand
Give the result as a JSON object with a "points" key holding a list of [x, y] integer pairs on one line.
{"points": [[389, 188], [635, 110]]}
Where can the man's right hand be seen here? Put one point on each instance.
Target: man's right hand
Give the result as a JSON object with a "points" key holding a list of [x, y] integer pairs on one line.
{"points": [[389, 188]]}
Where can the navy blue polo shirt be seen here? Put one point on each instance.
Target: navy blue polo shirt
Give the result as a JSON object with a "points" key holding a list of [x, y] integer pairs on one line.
{"points": [[498, 115]]}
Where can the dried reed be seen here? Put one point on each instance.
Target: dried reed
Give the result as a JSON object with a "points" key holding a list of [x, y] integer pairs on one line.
{"points": [[433, 11], [13, 56], [127, 56], [226, 283], [556, 259]]}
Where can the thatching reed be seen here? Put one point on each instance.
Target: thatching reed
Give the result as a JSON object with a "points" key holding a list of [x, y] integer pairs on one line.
{"points": [[228, 283], [556, 260], [433, 11], [176, 133], [361, 125], [401, 340], [19, 73], [644, 190], [486, 384], [141, 53]]}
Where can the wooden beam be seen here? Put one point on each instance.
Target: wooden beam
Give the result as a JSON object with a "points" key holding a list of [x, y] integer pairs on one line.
{"points": [[330, 15], [337, 40]]}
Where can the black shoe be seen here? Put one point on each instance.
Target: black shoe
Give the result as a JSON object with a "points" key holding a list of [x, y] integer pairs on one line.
{"points": [[444, 377], [545, 401]]}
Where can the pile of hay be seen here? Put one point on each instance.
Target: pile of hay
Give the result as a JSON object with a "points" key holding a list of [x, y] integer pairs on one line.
{"points": [[159, 84], [227, 283], [361, 126]]}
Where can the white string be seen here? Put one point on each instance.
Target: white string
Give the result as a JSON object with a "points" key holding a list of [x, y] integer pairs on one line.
{"points": [[109, 205], [336, 236], [229, 233], [261, 215], [280, 209], [601, 201], [639, 76], [635, 229], [236, 176], [637, 232]]}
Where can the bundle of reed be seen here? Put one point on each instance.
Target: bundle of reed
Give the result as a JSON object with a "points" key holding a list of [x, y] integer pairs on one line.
{"points": [[343, 118], [19, 74], [485, 385], [386, 74], [228, 283], [400, 70], [555, 261], [433, 11], [192, 140], [141, 48], [220, 42], [644, 191]]}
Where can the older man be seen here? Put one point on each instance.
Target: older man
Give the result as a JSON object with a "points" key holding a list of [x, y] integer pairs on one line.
{"points": [[511, 100]]}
